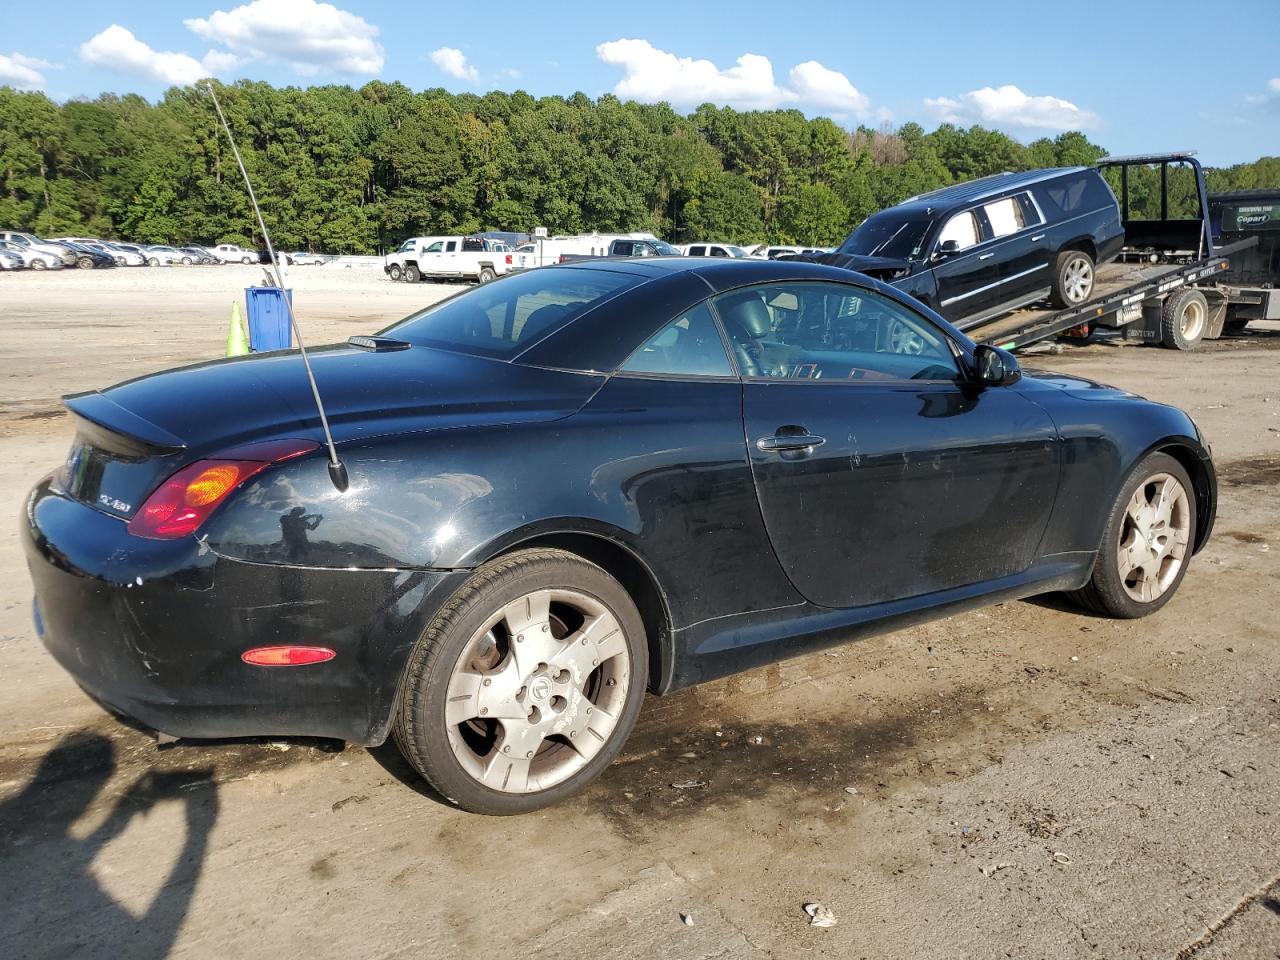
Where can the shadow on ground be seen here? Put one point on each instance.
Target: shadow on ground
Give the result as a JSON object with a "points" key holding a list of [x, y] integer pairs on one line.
{"points": [[51, 903]]}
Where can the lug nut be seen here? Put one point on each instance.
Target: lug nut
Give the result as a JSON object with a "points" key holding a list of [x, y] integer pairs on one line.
{"points": [[529, 755], [487, 681], [519, 637], [483, 711], [506, 749]]}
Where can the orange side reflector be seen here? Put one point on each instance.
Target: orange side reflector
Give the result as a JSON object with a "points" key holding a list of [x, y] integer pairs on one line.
{"points": [[286, 656]]}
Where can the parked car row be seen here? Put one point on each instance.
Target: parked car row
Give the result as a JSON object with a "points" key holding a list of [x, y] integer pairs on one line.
{"points": [[26, 251]]}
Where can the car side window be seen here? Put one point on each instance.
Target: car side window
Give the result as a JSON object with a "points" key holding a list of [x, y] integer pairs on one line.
{"points": [[962, 228], [435, 247], [1005, 216], [688, 346], [451, 246], [832, 332]]}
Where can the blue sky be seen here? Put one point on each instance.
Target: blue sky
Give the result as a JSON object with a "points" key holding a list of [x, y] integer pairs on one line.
{"points": [[1134, 76]]}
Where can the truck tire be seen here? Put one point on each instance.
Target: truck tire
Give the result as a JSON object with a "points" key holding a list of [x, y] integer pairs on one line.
{"points": [[487, 274], [411, 273], [395, 273], [1073, 275], [1184, 317]]}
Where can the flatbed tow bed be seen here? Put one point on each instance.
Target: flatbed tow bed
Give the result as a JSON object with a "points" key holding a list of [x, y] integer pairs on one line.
{"points": [[1120, 292], [1161, 289]]}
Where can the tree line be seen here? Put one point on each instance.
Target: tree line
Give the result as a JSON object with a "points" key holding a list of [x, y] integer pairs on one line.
{"points": [[347, 170]]}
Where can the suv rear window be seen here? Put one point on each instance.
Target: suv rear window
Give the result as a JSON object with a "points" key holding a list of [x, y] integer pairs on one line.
{"points": [[1076, 194], [505, 317]]}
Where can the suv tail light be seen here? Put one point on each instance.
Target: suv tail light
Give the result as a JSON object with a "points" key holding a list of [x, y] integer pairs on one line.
{"points": [[508, 259], [182, 503]]}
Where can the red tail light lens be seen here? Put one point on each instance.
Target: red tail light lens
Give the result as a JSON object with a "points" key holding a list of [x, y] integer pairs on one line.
{"points": [[182, 503], [508, 259]]}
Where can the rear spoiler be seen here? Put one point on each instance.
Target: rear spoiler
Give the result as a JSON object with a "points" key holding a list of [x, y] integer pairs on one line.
{"points": [[109, 426]]}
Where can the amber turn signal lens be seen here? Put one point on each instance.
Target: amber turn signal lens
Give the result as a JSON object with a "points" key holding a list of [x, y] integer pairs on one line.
{"points": [[212, 484]]}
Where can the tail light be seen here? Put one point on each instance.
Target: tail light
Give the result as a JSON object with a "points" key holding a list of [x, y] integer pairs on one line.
{"points": [[182, 503], [508, 259]]}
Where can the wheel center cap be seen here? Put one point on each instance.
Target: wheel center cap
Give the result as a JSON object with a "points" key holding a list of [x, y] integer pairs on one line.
{"points": [[540, 688]]}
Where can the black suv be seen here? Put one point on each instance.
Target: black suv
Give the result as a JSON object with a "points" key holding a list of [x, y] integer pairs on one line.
{"points": [[982, 248]]}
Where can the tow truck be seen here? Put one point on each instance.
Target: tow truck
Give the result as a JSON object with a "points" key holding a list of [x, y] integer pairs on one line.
{"points": [[1162, 289]]}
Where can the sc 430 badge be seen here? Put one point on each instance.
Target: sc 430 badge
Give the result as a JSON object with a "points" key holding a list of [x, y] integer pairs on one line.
{"points": [[111, 503]]}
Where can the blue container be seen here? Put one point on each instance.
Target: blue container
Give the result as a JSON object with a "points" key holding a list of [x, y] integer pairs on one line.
{"points": [[268, 318]]}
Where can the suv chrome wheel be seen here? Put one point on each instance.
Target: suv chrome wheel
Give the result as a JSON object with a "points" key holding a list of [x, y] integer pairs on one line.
{"points": [[537, 691], [1077, 277], [1154, 538]]}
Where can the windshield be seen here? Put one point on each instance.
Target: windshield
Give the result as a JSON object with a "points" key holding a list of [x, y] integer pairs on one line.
{"points": [[507, 316], [664, 249], [889, 234]]}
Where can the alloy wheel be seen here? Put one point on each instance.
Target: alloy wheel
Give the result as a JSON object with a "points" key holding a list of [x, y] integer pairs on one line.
{"points": [[903, 339], [537, 691], [1078, 279], [1154, 537]]}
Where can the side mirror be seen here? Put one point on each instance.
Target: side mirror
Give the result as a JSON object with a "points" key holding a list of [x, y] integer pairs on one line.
{"points": [[948, 248], [996, 367]]}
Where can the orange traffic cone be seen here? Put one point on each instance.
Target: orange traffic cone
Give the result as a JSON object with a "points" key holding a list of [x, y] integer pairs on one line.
{"points": [[237, 340]]}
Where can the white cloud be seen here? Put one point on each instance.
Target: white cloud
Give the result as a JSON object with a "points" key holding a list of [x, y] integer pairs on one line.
{"points": [[654, 75], [307, 35], [454, 62], [1272, 96], [815, 84], [24, 73], [510, 73], [1008, 106], [118, 49]]}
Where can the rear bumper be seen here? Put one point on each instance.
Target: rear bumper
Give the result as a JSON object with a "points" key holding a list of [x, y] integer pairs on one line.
{"points": [[156, 629]]}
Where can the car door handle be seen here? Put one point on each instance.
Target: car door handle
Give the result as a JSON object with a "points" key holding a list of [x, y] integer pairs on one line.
{"points": [[1037, 237], [986, 256], [796, 441]]}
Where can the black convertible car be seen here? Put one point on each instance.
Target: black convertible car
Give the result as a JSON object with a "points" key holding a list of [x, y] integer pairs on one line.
{"points": [[572, 485]]}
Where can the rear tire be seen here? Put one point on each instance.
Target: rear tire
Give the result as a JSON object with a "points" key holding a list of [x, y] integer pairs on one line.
{"points": [[39, 265], [153, 262], [487, 274], [1184, 317], [186, 261], [1156, 548], [411, 273], [1073, 274], [395, 273], [500, 710]]}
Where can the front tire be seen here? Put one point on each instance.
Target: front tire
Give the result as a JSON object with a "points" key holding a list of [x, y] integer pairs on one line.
{"points": [[86, 263], [394, 272], [246, 260], [526, 685], [39, 265], [1072, 278], [1147, 543], [154, 261]]}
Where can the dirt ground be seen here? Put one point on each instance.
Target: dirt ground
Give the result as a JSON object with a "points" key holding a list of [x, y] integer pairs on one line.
{"points": [[1022, 781]]}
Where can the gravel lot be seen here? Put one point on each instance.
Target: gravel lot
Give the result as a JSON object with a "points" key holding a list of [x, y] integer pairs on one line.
{"points": [[1022, 781]]}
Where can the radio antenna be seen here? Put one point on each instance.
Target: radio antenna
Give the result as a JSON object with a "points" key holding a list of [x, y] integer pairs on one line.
{"points": [[337, 470]]}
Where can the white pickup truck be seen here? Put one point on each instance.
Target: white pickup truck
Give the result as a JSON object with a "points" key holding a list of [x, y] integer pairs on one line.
{"points": [[449, 258], [231, 253]]}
